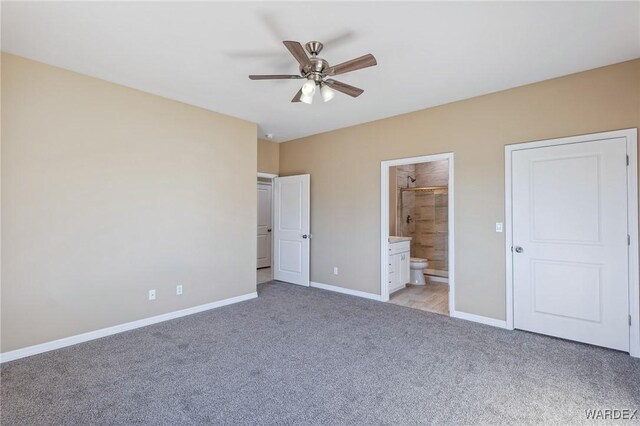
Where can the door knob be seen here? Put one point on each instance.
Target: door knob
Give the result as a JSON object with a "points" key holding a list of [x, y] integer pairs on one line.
{"points": [[518, 249], [305, 236], [269, 230]]}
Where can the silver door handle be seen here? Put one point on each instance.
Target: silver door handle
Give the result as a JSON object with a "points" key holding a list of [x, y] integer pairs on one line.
{"points": [[518, 249]]}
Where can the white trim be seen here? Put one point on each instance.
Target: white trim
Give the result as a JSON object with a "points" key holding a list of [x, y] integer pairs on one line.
{"points": [[267, 175], [634, 265], [437, 279], [103, 332], [478, 318], [344, 290], [508, 240], [631, 136], [384, 221]]}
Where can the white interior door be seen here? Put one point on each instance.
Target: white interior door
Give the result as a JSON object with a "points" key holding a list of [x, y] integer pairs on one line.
{"points": [[570, 258], [264, 225], [291, 229]]}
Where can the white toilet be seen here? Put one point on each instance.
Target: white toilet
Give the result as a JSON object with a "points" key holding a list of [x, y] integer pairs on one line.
{"points": [[417, 267]]}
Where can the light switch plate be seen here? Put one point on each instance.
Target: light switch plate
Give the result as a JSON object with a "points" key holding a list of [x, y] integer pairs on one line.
{"points": [[498, 226]]}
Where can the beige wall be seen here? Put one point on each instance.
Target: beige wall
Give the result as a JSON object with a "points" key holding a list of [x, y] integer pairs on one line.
{"points": [[108, 192], [268, 157], [345, 173]]}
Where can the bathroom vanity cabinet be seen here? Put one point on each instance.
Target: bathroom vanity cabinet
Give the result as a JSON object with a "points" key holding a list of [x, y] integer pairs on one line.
{"points": [[399, 262]]}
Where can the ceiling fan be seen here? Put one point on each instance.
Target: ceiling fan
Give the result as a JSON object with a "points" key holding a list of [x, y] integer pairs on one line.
{"points": [[317, 72]]}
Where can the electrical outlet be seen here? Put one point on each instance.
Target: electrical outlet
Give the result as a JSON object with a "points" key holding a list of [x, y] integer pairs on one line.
{"points": [[335, 270], [498, 226], [178, 289], [152, 295]]}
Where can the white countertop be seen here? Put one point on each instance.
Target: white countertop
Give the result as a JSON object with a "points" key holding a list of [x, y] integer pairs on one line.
{"points": [[398, 239]]}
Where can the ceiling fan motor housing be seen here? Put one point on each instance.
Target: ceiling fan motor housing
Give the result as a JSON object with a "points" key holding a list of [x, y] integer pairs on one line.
{"points": [[315, 71]]}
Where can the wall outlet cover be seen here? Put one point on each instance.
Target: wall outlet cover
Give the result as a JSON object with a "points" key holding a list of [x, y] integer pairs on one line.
{"points": [[152, 295], [179, 289]]}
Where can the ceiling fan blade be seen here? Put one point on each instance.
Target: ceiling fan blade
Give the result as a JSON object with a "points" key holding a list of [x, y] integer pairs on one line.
{"points": [[344, 88], [365, 61], [274, 77], [296, 98], [298, 52]]}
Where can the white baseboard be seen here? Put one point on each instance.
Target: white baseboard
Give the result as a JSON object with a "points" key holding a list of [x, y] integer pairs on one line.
{"points": [[103, 332], [478, 318], [345, 291], [436, 279]]}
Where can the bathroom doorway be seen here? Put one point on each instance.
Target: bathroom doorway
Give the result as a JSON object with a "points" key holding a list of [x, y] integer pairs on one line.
{"points": [[417, 233]]}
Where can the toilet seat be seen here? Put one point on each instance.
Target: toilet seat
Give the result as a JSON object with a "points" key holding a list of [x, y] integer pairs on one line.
{"points": [[418, 263]]}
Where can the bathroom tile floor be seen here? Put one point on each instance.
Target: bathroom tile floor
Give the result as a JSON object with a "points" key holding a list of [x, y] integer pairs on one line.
{"points": [[432, 297]]}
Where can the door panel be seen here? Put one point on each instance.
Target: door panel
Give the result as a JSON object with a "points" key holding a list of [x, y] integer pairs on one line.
{"points": [[291, 229], [565, 199], [264, 249], [570, 219], [264, 225], [566, 289], [291, 256]]}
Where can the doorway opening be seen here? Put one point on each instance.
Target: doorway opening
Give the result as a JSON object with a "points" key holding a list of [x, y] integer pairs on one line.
{"points": [[417, 233], [264, 259]]}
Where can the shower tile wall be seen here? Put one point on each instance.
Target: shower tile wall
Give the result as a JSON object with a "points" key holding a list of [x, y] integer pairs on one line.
{"points": [[429, 228]]}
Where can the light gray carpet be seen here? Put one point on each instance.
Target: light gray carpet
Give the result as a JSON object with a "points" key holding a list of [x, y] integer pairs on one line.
{"points": [[306, 356]]}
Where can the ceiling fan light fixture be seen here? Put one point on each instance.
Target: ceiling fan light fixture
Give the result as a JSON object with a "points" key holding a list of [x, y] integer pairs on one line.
{"points": [[307, 99], [327, 93], [316, 71], [309, 87]]}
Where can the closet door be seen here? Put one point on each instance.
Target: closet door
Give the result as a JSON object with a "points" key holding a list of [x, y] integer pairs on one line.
{"points": [[570, 242], [264, 225]]}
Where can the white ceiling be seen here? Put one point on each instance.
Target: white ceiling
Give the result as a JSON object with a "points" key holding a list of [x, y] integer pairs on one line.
{"points": [[428, 53]]}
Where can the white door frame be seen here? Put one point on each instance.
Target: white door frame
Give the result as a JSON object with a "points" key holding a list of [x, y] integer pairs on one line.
{"points": [[631, 136], [267, 175], [384, 222]]}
